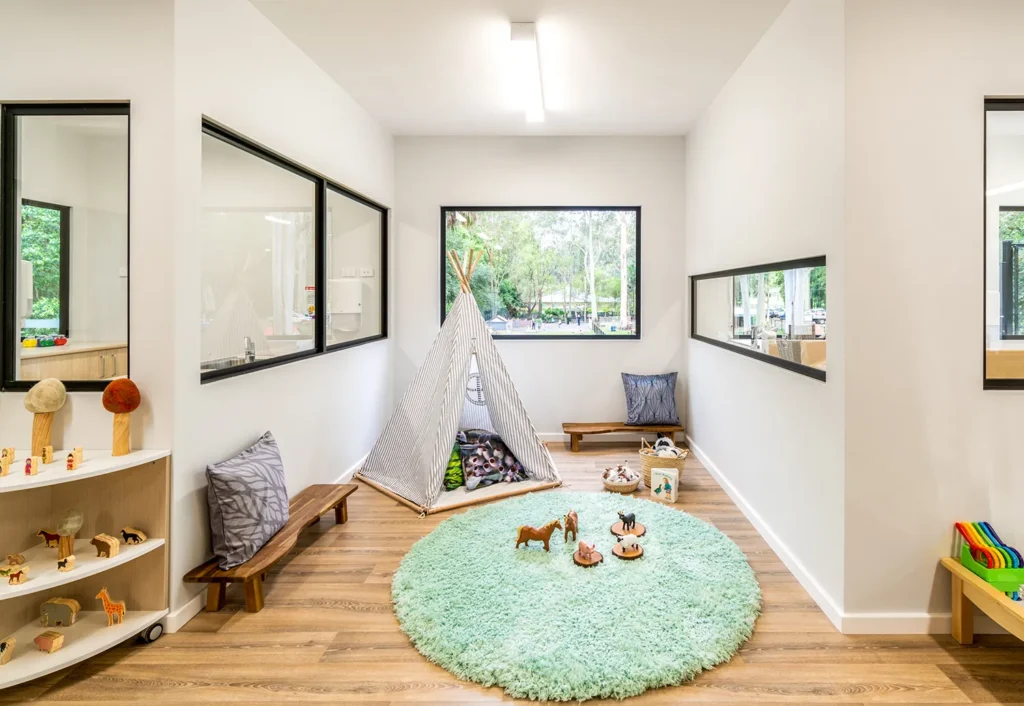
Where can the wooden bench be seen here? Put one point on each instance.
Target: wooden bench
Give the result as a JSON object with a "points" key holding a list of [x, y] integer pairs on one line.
{"points": [[304, 511], [968, 589], [576, 430]]}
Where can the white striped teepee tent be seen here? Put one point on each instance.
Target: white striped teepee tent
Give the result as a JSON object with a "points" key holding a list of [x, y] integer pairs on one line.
{"points": [[463, 366]]}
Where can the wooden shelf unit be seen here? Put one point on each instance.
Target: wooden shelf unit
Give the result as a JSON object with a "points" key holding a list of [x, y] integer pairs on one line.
{"points": [[110, 493], [969, 588]]}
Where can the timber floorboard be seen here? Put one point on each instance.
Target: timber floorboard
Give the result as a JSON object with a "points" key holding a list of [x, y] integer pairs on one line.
{"points": [[328, 635]]}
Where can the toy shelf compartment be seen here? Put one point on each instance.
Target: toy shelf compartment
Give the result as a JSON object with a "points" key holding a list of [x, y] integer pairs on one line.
{"points": [[1006, 580], [95, 463]]}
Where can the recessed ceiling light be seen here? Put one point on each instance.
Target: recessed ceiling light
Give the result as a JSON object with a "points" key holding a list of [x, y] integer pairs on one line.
{"points": [[526, 66]]}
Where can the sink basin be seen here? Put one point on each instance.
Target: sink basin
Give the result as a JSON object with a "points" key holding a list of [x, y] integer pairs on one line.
{"points": [[229, 362]]}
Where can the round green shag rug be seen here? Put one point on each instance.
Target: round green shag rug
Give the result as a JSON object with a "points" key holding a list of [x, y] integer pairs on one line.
{"points": [[543, 628]]}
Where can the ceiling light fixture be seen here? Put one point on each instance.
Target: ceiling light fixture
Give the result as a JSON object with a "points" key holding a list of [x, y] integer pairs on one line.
{"points": [[1005, 189], [526, 64]]}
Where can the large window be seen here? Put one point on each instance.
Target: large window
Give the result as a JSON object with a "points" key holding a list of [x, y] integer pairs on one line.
{"points": [[549, 272], [776, 313], [65, 225], [292, 264]]}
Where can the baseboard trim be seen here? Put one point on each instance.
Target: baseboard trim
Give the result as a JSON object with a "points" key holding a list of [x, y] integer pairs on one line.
{"points": [[799, 571], [912, 624], [176, 620], [347, 475]]}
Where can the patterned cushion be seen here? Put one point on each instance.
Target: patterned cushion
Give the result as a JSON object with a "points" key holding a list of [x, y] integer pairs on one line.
{"points": [[248, 501], [650, 399]]}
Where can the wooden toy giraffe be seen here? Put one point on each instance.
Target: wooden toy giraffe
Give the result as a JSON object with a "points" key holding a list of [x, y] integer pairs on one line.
{"points": [[111, 607]]}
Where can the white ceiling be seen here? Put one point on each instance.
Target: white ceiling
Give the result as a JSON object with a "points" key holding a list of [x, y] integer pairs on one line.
{"points": [[609, 67]]}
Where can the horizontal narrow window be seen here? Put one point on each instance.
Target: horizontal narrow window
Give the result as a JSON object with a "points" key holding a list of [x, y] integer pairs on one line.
{"points": [[776, 313], [548, 272]]}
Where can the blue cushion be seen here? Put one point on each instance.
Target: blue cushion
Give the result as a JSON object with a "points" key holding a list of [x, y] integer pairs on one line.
{"points": [[650, 399]]}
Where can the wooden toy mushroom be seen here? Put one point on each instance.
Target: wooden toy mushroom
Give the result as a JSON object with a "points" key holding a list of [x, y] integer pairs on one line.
{"points": [[67, 528], [121, 397], [45, 398]]}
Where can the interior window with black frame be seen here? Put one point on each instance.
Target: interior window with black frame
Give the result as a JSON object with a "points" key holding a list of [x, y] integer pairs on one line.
{"points": [[548, 272]]}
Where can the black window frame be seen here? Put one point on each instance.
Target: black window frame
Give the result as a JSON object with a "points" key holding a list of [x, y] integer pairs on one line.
{"points": [[10, 216], [321, 184], [64, 293], [635, 336], [806, 370]]}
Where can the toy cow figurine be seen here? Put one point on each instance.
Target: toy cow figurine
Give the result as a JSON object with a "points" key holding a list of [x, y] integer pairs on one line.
{"points": [[586, 550], [628, 521]]}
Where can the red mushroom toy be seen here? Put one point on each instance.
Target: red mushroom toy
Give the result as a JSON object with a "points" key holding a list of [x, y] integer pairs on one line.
{"points": [[121, 398]]}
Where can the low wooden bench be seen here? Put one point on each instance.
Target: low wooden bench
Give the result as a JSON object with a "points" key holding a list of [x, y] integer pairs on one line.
{"points": [[304, 511], [576, 430], [968, 589]]}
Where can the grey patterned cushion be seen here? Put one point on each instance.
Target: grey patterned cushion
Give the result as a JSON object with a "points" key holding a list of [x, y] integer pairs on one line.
{"points": [[248, 501], [650, 399]]}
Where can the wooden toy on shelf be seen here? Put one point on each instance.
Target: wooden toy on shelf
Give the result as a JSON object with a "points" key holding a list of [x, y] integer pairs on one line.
{"points": [[67, 528], [132, 535], [121, 397], [32, 465], [43, 399], [6, 571], [542, 534], [19, 576], [74, 459], [6, 459], [7, 649], [49, 641], [587, 555], [111, 607], [627, 524], [59, 612], [628, 548], [106, 546], [49, 538], [47, 454], [15, 559], [572, 523], [66, 564], [71, 465]]}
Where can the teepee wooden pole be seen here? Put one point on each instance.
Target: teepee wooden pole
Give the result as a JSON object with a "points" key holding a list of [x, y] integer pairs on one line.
{"points": [[463, 282]]}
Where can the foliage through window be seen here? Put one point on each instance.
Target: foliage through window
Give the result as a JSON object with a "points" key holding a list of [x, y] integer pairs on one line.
{"points": [[44, 245], [549, 272]]}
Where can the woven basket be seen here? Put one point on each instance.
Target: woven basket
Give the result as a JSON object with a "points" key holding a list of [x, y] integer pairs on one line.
{"points": [[624, 488], [649, 460]]}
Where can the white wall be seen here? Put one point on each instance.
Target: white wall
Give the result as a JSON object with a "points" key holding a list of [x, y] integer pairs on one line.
{"points": [[927, 445], [233, 65], [559, 380], [764, 183]]}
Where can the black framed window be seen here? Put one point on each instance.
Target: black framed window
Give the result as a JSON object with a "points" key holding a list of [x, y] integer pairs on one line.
{"points": [[548, 272], [64, 238], [775, 313], [293, 264]]}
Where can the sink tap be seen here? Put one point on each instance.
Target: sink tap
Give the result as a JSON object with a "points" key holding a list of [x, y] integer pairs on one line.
{"points": [[250, 350]]}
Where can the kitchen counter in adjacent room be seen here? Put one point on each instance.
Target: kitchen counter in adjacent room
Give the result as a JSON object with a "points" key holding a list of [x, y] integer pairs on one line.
{"points": [[75, 360]]}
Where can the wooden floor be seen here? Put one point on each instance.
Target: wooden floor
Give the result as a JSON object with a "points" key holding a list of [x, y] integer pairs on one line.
{"points": [[328, 634]]}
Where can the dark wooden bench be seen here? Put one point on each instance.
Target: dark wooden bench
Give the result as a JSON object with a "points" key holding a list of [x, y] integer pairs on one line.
{"points": [[576, 430], [304, 511]]}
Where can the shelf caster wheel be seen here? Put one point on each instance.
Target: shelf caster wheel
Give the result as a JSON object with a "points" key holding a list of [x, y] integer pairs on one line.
{"points": [[152, 633]]}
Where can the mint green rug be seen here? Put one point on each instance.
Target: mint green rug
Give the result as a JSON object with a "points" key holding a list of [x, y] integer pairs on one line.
{"points": [[543, 628]]}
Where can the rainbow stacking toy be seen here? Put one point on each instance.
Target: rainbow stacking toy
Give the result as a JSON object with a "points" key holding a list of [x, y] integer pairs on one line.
{"points": [[990, 558]]}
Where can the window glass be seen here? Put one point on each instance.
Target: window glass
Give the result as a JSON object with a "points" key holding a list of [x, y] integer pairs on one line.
{"points": [[258, 258], [778, 313], [549, 272], [70, 175], [354, 277]]}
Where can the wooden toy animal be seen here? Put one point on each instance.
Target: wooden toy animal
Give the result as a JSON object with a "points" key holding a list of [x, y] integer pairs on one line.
{"points": [[111, 607], [572, 523], [49, 641], [628, 521], [47, 454], [133, 536], [5, 571], [628, 543], [526, 533], [15, 559], [7, 649], [106, 546], [50, 539], [586, 550], [18, 577], [59, 612], [66, 564]]}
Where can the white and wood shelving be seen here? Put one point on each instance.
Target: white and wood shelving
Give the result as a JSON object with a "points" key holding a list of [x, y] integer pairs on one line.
{"points": [[111, 492]]}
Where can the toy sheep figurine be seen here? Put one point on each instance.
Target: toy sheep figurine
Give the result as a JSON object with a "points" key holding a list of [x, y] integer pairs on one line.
{"points": [[628, 544]]}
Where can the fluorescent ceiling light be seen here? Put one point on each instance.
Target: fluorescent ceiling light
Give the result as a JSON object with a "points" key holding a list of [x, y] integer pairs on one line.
{"points": [[526, 66], [278, 219], [1005, 189]]}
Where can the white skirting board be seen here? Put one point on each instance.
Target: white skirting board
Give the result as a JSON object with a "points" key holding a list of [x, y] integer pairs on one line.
{"points": [[846, 623]]}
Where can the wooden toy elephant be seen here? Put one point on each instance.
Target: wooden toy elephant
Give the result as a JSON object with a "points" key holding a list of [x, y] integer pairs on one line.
{"points": [[59, 612]]}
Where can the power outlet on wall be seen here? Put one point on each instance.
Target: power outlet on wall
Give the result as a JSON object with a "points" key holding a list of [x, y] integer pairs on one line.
{"points": [[366, 272]]}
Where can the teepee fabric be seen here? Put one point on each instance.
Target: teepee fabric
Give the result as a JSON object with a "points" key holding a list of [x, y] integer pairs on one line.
{"points": [[412, 452]]}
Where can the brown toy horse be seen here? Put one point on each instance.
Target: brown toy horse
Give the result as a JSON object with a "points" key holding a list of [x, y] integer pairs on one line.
{"points": [[572, 523], [526, 533]]}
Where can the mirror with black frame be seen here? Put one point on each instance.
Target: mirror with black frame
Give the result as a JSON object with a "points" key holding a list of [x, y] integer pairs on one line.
{"points": [[773, 312], [65, 243]]}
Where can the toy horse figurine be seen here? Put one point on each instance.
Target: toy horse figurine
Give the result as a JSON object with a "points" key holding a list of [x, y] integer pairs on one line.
{"points": [[572, 523], [526, 533], [628, 521]]}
